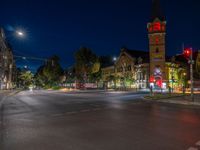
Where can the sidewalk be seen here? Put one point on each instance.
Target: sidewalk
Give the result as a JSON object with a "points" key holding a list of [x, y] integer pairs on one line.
{"points": [[183, 100]]}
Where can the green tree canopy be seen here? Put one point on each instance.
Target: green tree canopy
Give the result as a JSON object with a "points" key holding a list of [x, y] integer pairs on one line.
{"points": [[50, 73], [86, 63]]}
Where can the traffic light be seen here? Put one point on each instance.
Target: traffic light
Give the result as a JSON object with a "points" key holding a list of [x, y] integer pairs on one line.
{"points": [[187, 52]]}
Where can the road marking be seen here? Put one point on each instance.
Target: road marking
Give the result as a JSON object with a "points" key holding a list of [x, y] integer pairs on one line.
{"points": [[56, 115], [198, 143], [192, 148]]}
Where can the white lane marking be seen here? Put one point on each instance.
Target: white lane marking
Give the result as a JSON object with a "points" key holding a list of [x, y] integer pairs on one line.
{"points": [[23, 119], [198, 143], [192, 148], [56, 115]]}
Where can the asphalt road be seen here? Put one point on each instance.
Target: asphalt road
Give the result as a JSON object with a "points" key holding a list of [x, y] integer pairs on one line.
{"points": [[95, 120]]}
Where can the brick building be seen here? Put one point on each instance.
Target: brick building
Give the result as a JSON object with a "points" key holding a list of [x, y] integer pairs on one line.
{"points": [[7, 64]]}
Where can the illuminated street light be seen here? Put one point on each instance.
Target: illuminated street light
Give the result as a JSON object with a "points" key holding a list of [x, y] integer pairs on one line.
{"points": [[20, 33], [114, 58]]}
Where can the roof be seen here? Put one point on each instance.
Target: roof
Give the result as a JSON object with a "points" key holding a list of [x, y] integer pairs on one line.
{"points": [[138, 54]]}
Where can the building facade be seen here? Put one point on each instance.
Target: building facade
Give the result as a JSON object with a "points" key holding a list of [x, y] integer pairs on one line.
{"points": [[156, 34], [131, 70], [145, 69], [7, 64]]}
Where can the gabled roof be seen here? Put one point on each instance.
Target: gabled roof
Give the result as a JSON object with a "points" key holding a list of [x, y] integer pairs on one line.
{"points": [[137, 54]]}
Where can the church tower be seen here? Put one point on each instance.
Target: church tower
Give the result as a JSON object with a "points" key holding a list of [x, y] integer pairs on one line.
{"points": [[156, 34]]}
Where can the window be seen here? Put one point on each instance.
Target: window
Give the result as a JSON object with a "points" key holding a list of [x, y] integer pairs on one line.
{"points": [[157, 50], [129, 68]]}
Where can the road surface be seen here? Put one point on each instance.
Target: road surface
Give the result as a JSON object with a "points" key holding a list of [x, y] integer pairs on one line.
{"points": [[95, 120]]}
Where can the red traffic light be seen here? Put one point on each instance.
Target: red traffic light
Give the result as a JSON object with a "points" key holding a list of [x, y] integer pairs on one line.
{"points": [[152, 79], [187, 52]]}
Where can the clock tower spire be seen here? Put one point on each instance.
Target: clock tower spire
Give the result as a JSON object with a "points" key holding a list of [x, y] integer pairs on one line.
{"points": [[156, 34]]}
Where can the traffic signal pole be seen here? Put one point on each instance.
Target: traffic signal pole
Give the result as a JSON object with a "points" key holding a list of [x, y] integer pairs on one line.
{"points": [[191, 75]]}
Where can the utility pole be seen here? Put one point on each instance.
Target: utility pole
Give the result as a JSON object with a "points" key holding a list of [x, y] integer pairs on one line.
{"points": [[191, 75], [189, 55]]}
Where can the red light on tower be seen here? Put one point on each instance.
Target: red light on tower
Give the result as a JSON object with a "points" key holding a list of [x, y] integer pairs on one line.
{"points": [[157, 26]]}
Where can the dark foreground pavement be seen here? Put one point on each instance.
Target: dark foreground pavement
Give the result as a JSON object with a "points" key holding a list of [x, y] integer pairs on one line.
{"points": [[43, 120]]}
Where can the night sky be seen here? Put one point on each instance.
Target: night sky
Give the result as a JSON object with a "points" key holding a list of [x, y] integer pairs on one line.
{"points": [[62, 26]]}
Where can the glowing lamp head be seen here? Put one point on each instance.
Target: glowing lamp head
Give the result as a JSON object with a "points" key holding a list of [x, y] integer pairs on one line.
{"points": [[20, 33], [114, 58], [187, 52]]}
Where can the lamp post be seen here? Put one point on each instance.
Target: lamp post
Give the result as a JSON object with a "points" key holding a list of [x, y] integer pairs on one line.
{"points": [[184, 84], [115, 59], [191, 75]]}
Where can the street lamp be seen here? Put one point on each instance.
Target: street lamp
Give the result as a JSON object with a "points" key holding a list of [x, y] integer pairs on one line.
{"points": [[114, 59], [20, 33]]}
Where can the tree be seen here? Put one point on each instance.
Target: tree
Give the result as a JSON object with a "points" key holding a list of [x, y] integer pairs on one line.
{"points": [[50, 73], [26, 78], [86, 63]]}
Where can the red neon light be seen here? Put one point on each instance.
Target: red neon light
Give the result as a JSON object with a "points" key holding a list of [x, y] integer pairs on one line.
{"points": [[157, 40], [159, 83], [163, 27], [150, 29], [157, 26], [152, 79]]}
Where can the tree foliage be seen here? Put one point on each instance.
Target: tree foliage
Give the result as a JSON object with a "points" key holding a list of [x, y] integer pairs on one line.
{"points": [[50, 73], [26, 78], [86, 63]]}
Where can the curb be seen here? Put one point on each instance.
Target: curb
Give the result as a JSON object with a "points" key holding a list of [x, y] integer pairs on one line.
{"points": [[164, 97], [186, 103]]}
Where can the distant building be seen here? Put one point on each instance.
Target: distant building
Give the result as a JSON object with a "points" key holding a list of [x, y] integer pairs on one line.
{"points": [[7, 64]]}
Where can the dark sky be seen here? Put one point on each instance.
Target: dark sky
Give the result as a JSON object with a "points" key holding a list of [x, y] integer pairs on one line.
{"points": [[62, 26]]}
